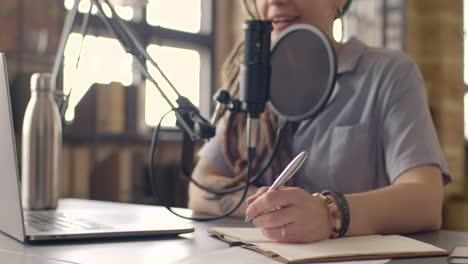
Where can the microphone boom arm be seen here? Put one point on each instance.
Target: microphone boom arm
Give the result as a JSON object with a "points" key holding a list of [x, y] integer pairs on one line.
{"points": [[189, 118]]}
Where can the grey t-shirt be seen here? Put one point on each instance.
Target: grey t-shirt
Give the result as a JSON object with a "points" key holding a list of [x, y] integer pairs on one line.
{"points": [[376, 126]]}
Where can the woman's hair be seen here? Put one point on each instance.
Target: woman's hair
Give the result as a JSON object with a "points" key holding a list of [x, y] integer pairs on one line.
{"points": [[346, 6], [251, 8]]}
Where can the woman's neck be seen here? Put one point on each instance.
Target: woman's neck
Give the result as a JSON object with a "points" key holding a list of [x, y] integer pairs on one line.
{"points": [[337, 46]]}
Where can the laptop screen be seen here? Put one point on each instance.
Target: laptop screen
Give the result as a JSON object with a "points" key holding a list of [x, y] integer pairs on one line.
{"points": [[10, 202]]}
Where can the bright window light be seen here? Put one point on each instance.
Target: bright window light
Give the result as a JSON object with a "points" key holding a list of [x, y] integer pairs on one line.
{"points": [[102, 61], [465, 102], [124, 12], [183, 15], [182, 67]]}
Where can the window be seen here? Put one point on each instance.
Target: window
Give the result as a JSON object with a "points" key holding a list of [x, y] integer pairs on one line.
{"points": [[98, 56], [180, 40], [377, 23], [188, 19], [182, 67], [125, 12]]}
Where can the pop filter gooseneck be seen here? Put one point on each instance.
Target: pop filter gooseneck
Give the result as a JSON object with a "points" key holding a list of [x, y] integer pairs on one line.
{"points": [[303, 74]]}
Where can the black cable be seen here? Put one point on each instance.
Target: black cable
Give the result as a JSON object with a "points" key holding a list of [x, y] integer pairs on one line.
{"points": [[156, 192], [281, 126]]}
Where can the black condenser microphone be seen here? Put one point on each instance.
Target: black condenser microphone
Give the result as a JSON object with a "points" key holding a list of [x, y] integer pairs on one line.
{"points": [[255, 73]]}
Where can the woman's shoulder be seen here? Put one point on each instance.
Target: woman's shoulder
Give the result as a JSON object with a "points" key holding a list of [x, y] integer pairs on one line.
{"points": [[385, 60], [382, 69]]}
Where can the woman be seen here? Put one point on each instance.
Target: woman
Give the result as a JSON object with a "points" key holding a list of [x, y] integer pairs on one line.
{"points": [[375, 143]]}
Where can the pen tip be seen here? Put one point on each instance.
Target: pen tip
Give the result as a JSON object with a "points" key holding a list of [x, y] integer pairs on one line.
{"points": [[247, 219]]}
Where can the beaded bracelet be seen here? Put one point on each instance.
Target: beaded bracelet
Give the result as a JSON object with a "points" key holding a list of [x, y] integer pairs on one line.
{"points": [[333, 211], [344, 207]]}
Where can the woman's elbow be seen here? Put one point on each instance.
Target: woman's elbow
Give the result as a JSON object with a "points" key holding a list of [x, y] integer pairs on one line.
{"points": [[435, 223], [433, 219], [193, 201]]}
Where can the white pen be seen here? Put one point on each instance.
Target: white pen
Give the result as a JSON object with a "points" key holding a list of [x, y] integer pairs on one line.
{"points": [[286, 174]]}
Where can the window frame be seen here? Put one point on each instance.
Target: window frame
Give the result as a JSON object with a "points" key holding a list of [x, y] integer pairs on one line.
{"points": [[203, 42]]}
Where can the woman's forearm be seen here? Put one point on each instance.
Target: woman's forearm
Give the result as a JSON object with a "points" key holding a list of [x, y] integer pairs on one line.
{"points": [[201, 201], [407, 206]]}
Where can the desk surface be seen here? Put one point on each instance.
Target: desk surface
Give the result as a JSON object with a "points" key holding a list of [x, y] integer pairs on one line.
{"points": [[164, 250]]}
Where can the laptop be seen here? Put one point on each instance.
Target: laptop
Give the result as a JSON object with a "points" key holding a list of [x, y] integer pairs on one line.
{"points": [[95, 220]]}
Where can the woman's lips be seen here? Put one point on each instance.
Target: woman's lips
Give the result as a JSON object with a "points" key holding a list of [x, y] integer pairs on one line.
{"points": [[282, 24]]}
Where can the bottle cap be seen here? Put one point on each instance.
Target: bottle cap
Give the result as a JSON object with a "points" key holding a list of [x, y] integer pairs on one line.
{"points": [[41, 82]]}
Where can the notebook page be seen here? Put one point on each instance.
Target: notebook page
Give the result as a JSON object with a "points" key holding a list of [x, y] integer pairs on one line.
{"points": [[349, 246], [244, 234], [236, 255]]}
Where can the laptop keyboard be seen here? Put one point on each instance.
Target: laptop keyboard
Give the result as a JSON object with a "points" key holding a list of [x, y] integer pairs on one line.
{"points": [[51, 221]]}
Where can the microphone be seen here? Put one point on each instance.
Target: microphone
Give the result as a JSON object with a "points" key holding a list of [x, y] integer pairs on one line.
{"points": [[255, 73]]}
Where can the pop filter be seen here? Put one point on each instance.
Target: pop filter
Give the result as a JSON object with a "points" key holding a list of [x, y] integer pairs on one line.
{"points": [[303, 64]]}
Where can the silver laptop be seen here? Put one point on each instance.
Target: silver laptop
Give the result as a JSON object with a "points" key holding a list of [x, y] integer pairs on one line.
{"points": [[95, 220]]}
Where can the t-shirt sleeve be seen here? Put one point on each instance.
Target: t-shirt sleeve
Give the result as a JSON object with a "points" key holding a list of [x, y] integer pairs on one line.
{"points": [[211, 150], [410, 139]]}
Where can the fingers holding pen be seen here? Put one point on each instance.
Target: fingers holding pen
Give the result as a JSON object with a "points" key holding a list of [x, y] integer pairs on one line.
{"points": [[291, 215], [275, 218], [254, 197], [264, 201]]}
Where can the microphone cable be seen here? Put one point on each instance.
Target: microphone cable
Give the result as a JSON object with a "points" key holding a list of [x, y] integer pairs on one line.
{"points": [[245, 186], [279, 133], [155, 137], [154, 185], [135, 47]]}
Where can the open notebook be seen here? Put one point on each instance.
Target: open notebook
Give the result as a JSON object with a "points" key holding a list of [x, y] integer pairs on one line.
{"points": [[342, 249]]}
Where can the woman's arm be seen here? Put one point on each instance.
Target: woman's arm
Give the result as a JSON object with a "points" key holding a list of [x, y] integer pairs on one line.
{"points": [[200, 201], [413, 203]]}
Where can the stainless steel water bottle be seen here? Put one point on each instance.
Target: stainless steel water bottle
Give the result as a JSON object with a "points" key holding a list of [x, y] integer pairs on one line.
{"points": [[41, 146]]}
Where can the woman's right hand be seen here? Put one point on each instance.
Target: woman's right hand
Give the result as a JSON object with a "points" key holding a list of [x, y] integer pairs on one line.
{"points": [[304, 218]]}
